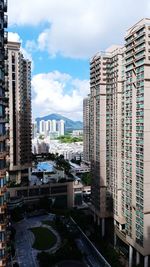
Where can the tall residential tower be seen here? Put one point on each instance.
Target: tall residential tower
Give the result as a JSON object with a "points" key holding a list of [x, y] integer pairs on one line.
{"points": [[120, 140], [3, 134], [19, 73]]}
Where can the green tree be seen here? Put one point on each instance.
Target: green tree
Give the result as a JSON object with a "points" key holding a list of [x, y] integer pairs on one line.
{"points": [[87, 178], [64, 164]]}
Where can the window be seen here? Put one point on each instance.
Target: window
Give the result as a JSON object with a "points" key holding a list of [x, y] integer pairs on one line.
{"points": [[13, 59], [13, 76]]}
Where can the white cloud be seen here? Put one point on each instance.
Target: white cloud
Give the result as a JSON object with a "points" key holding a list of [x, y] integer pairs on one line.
{"points": [[31, 45], [78, 28], [14, 37], [51, 94]]}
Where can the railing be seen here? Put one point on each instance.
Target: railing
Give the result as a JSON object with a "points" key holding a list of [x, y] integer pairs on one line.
{"points": [[120, 234], [103, 261]]}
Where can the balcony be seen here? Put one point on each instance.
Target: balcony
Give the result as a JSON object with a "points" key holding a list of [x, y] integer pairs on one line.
{"points": [[6, 86], [3, 138], [3, 262], [4, 119], [4, 100], [2, 226], [6, 54], [2, 76], [140, 49], [2, 210], [5, 5], [5, 21], [129, 39], [2, 50], [129, 61], [139, 35], [5, 37], [129, 47], [1, 41], [139, 56], [2, 245], [3, 154], [1, 192], [128, 55], [6, 69], [3, 172], [139, 42]]}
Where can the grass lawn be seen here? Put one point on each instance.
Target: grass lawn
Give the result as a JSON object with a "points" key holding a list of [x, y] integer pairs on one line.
{"points": [[44, 238]]}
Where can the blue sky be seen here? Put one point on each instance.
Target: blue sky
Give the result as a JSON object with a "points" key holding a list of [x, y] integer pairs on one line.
{"points": [[60, 37]]}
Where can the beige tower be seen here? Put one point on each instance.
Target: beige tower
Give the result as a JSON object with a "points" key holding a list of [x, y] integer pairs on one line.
{"points": [[98, 84], [105, 134], [120, 141], [19, 71], [136, 140]]}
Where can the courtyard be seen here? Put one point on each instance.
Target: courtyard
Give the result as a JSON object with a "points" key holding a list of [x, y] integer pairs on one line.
{"points": [[31, 237]]}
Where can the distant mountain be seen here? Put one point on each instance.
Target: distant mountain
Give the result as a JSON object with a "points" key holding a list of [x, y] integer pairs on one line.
{"points": [[70, 125]]}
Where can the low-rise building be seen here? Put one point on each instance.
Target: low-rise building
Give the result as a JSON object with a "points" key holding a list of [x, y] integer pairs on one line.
{"points": [[79, 168], [66, 194]]}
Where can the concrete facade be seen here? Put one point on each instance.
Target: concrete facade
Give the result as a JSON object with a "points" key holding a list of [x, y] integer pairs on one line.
{"points": [[4, 235], [19, 72], [66, 192], [119, 139]]}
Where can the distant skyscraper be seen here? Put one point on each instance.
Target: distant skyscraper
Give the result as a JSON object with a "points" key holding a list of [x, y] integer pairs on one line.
{"points": [[61, 127], [19, 73], [86, 130], [42, 127], [48, 127], [51, 128], [34, 129], [119, 140], [53, 123]]}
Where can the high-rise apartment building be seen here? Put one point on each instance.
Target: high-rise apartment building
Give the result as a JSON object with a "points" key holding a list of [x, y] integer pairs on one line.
{"points": [[19, 73], [42, 127], [50, 127], [119, 140], [61, 127], [135, 141], [98, 81], [86, 130], [54, 126], [3, 133], [34, 129]]}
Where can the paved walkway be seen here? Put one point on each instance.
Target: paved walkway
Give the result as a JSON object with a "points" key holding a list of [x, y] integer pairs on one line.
{"points": [[26, 256]]}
